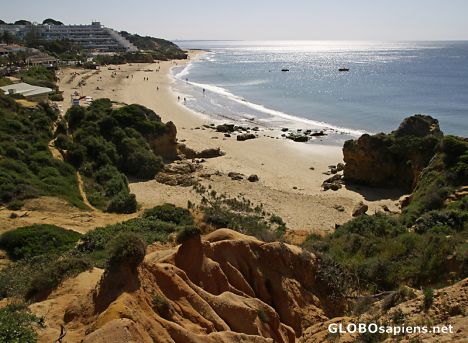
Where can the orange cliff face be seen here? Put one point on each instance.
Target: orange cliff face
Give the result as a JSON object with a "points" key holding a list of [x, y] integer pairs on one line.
{"points": [[226, 287], [223, 287]]}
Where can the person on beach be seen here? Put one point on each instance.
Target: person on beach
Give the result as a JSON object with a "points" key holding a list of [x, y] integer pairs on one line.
{"points": [[178, 98], [157, 88], [185, 100], [203, 90]]}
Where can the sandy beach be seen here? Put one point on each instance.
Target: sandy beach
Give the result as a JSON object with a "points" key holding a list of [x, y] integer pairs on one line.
{"points": [[290, 173]]}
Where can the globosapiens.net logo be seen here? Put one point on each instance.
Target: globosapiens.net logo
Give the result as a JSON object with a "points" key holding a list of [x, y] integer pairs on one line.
{"points": [[375, 328]]}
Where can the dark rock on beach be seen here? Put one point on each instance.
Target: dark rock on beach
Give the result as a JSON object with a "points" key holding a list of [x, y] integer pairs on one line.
{"points": [[246, 136], [360, 209], [236, 176], [253, 178]]}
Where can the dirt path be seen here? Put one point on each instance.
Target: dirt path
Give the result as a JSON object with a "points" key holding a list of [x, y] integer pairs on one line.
{"points": [[83, 193], [54, 151]]}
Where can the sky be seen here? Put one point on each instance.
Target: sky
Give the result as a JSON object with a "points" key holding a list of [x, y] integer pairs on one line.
{"points": [[380, 20]]}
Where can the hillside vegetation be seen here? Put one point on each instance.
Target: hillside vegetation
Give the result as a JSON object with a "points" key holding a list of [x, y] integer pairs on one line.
{"points": [[160, 49], [27, 168], [109, 145], [427, 244]]}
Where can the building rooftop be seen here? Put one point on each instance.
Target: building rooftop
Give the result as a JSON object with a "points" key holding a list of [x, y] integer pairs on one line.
{"points": [[25, 89]]}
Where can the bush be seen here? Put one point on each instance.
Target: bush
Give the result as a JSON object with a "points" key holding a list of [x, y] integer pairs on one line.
{"points": [[123, 203], [38, 239], [56, 97], [428, 299], [53, 274], [15, 205], [239, 214], [187, 232], [170, 213], [162, 306], [126, 249], [17, 324]]}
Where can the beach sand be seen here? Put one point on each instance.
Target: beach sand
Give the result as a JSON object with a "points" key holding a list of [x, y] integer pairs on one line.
{"points": [[287, 187]]}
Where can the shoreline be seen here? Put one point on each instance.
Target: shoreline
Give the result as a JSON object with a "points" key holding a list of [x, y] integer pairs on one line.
{"points": [[274, 121], [287, 185]]}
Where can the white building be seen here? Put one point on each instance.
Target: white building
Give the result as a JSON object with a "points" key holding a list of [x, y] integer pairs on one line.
{"points": [[30, 92], [94, 37]]}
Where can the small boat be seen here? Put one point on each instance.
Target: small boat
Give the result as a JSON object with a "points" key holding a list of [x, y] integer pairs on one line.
{"points": [[343, 69], [284, 69]]}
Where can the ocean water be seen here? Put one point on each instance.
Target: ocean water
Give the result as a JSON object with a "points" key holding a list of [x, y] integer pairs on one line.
{"points": [[387, 82]]}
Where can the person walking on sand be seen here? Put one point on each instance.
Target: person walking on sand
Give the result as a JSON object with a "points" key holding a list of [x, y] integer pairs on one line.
{"points": [[157, 88], [178, 98], [203, 90]]}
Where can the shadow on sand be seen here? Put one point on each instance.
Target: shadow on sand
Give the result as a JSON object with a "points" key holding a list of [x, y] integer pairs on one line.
{"points": [[375, 194]]}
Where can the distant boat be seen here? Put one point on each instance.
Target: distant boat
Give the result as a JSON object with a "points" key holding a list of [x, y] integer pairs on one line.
{"points": [[343, 69], [284, 69]]}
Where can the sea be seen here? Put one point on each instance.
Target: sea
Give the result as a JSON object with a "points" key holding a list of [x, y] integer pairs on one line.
{"points": [[299, 85]]}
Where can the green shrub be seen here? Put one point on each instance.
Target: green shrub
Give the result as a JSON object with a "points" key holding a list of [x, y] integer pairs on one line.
{"points": [[53, 274], [170, 213], [35, 277], [263, 316], [38, 239], [126, 249], [56, 97], [162, 306], [239, 214], [17, 324], [187, 232], [15, 205], [123, 203], [428, 299]]}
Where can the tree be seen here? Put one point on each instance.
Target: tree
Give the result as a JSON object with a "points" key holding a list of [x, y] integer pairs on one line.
{"points": [[7, 37], [33, 37], [50, 21], [22, 22]]}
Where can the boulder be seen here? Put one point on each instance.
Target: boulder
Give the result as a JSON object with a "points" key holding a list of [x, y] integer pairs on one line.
{"points": [[339, 208], [236, 176], [318, 134], [246, 136], [298, 137], [225, 128], [360, 209], [206, 153], [253, 178], [165, 145], [419, 125]]}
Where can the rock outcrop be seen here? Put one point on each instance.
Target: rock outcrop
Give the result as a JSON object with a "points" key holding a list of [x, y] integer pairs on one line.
{"points": [[206, 153], [221, 288], [165, 145], [392, 160], [448, 309]]}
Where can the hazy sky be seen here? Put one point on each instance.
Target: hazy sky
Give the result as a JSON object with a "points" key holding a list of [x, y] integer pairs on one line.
{"points": [[260, 19]]}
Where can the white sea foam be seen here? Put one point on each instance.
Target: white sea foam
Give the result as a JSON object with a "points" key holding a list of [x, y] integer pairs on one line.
{"points": [[275, 114]]}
